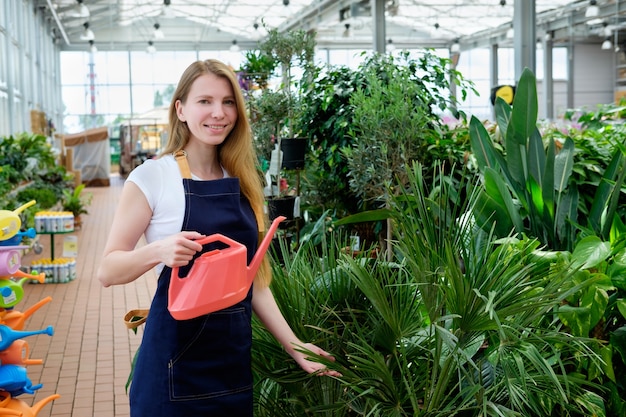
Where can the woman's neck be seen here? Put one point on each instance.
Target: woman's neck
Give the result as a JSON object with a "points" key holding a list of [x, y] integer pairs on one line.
{"points": [[204, 162]]}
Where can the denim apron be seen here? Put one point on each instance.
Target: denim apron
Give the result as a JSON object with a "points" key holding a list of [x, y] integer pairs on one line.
{"points": [[202, 366]]}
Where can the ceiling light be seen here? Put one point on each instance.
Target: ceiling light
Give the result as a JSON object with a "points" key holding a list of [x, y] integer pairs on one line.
{"points": [[346, 33], [80, 10], [158, 33], [87, 34], [234, 47], [92, 47], [286, 2], [502, 3], [150, 49], [166, 11], [607, 30], [455, 48], [592, 9], [606, 45]]}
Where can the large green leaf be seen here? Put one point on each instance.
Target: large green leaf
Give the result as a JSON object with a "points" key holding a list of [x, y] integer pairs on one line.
{"points": [[576, 318], [497, 189], [503, 114], [563, 164], [565, 217], [365, 216], [524, 114], [590, 252], [604, 191], [483, 148], [547, 179], [536, 157]]}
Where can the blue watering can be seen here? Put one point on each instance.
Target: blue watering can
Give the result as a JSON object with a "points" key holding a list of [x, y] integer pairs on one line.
{"points": [[17, 238], [14, 380], [8, 335]]}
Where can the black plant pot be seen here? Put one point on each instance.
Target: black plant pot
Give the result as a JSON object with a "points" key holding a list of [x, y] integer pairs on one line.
{"points": [[294, 151], [281, 206]]}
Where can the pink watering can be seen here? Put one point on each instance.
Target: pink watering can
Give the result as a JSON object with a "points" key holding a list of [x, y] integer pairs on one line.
{"points": [[217, 279], [16, 407], [10, 261]]}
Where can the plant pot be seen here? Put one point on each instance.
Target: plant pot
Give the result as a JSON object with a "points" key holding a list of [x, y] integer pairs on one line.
{"points": [[294, 151], [281, 206]]}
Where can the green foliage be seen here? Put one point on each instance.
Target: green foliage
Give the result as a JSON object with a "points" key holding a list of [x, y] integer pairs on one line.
{"points": [[45, 197], [24, 157], [328, 119], [393, 126], [526, 189], [267, 117], [258, 67], [599, 311], [75, 201], [457, 324], [289, 49]]}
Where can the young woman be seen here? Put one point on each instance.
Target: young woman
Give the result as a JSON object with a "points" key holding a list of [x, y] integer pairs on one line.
{"points": [[202, 366]]}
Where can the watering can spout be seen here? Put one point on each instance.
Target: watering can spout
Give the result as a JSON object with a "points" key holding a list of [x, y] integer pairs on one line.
{"points": [[262, 249]]}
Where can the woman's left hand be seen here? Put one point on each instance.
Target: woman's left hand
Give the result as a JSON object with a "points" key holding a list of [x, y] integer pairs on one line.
{"points": [[310, 366]]}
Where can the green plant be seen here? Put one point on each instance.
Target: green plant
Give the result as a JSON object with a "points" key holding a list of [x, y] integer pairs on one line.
{"points": [[458, 324], [258, 67], [599, 311], [289, 49], [75, 201], [526, 187], [329, 105]]}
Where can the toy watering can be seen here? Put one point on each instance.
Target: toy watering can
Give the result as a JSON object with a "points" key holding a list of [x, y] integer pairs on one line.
{"points": [[12, 292], [8, 335], [17, 239], [14, 380], [17, 354], [16, 407], [10, 261], [10, 221], [16, 319], [217, 279]]}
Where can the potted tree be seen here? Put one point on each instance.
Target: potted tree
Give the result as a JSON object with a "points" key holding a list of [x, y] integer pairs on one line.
{"points": [[289, 50]]}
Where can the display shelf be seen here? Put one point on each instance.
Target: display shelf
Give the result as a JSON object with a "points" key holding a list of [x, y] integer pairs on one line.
{"points": [[52, 234]]}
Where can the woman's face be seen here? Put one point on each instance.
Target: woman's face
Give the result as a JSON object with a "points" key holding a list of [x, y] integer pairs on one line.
{"points": [[210, 110]]}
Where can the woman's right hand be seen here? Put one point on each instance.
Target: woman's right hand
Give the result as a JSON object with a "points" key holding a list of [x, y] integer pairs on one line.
{"points": [[179, 249]]}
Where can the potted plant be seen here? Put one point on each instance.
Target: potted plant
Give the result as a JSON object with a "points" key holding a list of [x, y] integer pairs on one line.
{"points": [[290, 49], [257, 69], [76, 202]]}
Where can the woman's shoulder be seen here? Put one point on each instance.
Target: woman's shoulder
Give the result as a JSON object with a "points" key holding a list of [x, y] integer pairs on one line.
{"points": [[162, 166]]}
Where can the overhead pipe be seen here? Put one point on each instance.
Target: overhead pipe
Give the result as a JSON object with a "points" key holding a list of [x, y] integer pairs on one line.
{"points": [[59, 24]]}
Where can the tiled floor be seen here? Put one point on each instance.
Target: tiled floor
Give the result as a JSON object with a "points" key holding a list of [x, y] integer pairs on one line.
{"points": [[87, 360]]}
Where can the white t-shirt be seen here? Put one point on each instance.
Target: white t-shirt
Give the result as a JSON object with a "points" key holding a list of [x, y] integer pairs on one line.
{"points": [[161, 183]]}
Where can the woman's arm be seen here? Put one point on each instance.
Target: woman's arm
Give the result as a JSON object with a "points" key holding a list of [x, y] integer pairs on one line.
{"points": [[265, 307], [123, 261]]}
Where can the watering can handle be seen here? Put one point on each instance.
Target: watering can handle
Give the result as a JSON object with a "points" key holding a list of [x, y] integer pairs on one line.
{"points": [[24, 207], [216, 237]]}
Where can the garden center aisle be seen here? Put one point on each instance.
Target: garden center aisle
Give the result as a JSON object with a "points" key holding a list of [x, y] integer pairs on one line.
{"points": [[87, 360]]}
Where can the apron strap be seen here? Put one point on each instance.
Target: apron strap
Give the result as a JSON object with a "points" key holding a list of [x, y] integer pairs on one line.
{"points": [[183, 165]]}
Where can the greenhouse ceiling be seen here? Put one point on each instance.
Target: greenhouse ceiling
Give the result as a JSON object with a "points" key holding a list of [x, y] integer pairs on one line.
{"points": [[220, 24]]}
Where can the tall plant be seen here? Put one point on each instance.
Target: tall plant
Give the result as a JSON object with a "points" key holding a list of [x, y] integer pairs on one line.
{"points": [[526, 186]]}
